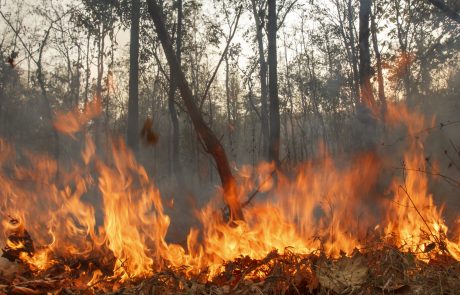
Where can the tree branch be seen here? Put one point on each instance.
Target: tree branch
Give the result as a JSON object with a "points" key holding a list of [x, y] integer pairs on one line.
{"points": [[205, 134], [441, 5], [234, 27], [288, 9]]}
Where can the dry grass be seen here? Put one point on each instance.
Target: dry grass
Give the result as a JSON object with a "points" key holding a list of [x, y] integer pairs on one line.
{"points": [[380, 269]]}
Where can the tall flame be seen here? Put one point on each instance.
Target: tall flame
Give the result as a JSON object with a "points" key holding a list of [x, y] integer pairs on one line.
{"points": [[324, 206]]}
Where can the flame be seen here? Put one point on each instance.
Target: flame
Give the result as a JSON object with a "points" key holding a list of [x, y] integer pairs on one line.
{"points": [[96, 277], [72, 122], [39, 261], [413, 220], [325, 206], [401, 65], [15, 245]]}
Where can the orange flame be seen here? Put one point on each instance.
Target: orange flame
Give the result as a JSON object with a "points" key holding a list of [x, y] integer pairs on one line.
{"points": [[73, 121], [323, 207]]}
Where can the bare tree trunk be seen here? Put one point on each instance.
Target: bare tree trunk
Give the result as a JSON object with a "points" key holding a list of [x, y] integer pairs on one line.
{"points": [[177, 169], [174, 163], [311, 65], [109, 85], [100, 73], [365, 70], [208, 138], [303, 94], [88, 71], [70, 75], [133, 102], [378, 58], [424, 73], [228, 104], [274, 149], [353, 49], [291, 103], [78, 77], [348, 48], [263, 79], [403, 45], [46, 102]]}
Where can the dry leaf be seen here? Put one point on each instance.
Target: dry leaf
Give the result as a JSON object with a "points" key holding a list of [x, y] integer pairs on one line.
{"points": [[7, 268], [343, 275], [304, 275], [147, 134]]}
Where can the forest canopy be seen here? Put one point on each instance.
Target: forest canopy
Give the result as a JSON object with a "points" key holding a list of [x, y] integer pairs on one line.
{"points": [[332, 58]]}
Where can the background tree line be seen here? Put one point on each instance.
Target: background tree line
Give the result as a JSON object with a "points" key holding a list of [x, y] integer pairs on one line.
{"points": [[271, 79]]}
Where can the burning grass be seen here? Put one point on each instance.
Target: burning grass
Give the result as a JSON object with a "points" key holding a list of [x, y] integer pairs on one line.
{"points": [[380, 269], [321, 230]]}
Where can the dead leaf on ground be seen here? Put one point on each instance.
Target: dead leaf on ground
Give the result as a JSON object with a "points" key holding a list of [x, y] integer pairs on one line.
{"points": [[305, 276], [343, 275], [392, 286], [8, 269]]}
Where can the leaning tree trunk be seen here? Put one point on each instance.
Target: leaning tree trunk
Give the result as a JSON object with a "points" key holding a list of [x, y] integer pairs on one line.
{"points": [[133, 102], [365, 70], [274, 148], [205, 134]]}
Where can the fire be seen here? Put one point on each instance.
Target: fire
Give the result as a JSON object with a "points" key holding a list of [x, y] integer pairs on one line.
{"points": [[39, 261], [72, 122], [412, 217], [321, 207], [15, 245]]}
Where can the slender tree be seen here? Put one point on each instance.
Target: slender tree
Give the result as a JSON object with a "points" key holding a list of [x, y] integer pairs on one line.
{"points": [[175, 164], [274, 148], [262, 76], [378, 58], [133, 103], [41, 76], [352, 44], [365, 70]]}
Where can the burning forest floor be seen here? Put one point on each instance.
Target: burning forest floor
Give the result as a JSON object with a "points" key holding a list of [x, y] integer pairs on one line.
{"points": [[322, 228], [379, 269]]}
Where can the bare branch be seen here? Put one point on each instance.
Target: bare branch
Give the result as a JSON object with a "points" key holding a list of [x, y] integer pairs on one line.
{"points": [[453, 15], [288, 9], [234, 27]]}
